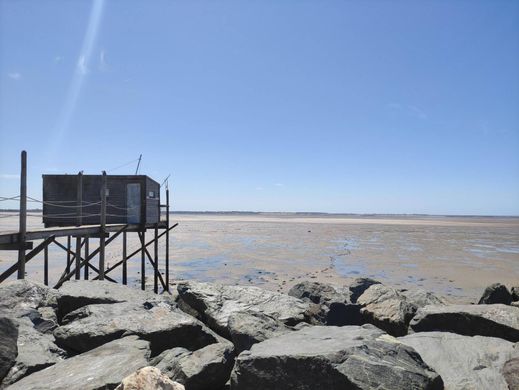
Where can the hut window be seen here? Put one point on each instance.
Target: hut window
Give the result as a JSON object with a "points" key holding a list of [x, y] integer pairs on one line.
{"points": [[151, 194]]}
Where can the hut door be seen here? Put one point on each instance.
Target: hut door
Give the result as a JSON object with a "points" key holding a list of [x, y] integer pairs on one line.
{"points": [[133, 202]]}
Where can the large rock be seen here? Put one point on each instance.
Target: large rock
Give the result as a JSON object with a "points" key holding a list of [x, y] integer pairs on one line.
{"points": [[101, 368], [334, 303], [36, 351], [420, 298], [515, 293], [93, 325], [511, 373], [31, 307], [464, 362], [18, 296], [359, 285], [496, 293], [214, 303], [485, 320], [387, 308], [8, 345], [332, 358], [249, 328], [148, 378], [75, 294], [205, 369]]}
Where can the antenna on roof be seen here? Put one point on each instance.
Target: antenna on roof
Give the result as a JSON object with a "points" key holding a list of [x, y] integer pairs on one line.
{"points": [[138, 164], [165, 180]]}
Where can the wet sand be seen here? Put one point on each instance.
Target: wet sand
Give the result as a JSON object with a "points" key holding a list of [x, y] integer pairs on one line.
{"points": [[453, 256]]}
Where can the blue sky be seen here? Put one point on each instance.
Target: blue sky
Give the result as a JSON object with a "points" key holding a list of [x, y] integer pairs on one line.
{"points": [[334, 106]]}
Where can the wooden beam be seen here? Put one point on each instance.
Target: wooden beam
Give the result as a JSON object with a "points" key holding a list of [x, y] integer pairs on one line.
{"points": [[90, 230], [64, 278], [102, 230], [143, 260], [125, 259], [86, 257], [167, 238], [15, 247], [23, 217], [138, 250], [11, 270], [78, 256], [156, 266]]}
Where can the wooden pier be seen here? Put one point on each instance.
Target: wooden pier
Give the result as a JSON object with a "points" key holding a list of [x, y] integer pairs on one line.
{"points": [[82, 257]]}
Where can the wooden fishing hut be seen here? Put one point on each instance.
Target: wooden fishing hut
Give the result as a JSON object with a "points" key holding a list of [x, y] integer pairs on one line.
{"points": [[83, 207]]}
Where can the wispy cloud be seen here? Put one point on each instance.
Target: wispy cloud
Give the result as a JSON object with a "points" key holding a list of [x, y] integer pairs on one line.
{"points": [[82, 67], [78, 78], [58, 59], [259, 188], [9, 176], [279, 185], [103, 65], [407, 109], [14, 75]]}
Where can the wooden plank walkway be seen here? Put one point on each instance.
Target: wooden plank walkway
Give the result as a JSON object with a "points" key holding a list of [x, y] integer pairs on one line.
{"points": [[85, 230]]}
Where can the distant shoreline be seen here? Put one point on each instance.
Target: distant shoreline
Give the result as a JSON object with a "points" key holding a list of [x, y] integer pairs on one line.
{"points": [[315, 214]]}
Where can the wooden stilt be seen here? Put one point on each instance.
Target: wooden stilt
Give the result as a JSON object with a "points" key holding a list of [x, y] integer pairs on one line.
{"points": [[78, 257], [143, 260], [11, 270], [138, 250], [125, 271], [167, 239], [46, 265], [86, 258], [156, 265], [103, 223], [23, 217], [67, 269]]}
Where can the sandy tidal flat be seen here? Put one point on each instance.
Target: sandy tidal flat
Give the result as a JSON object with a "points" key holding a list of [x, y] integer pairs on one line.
{"points": [[452, 256]]}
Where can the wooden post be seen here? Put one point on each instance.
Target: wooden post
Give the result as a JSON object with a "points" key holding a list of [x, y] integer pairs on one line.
{"points": [[67, 268], [156, 267], [79, 198], [78, 257], [103, 223], [143, 261], [167, 238], [46, 265], [23, 217], [86, 257], [125, 271]]}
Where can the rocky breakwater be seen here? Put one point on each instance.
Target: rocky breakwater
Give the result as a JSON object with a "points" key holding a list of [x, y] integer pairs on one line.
{"points": [[358, 335]]}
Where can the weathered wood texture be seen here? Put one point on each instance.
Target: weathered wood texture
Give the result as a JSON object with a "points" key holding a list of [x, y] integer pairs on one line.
{"points": [[60, 197]]}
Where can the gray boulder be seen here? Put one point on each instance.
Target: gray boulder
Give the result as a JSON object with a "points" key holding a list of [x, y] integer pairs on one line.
{"points": [[359, 285], [8, 345], [515, 293], [101, 368], [93, 325], [334, 305], [148, 378], [31, 308], [213, 304], [249, 328], [485, 320], [204, 369], [18, 296], [332, 358], [511, 373], [496, 293], [36, 351], [75, 294], [464, 362], [386, 308], [420, 298]]}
